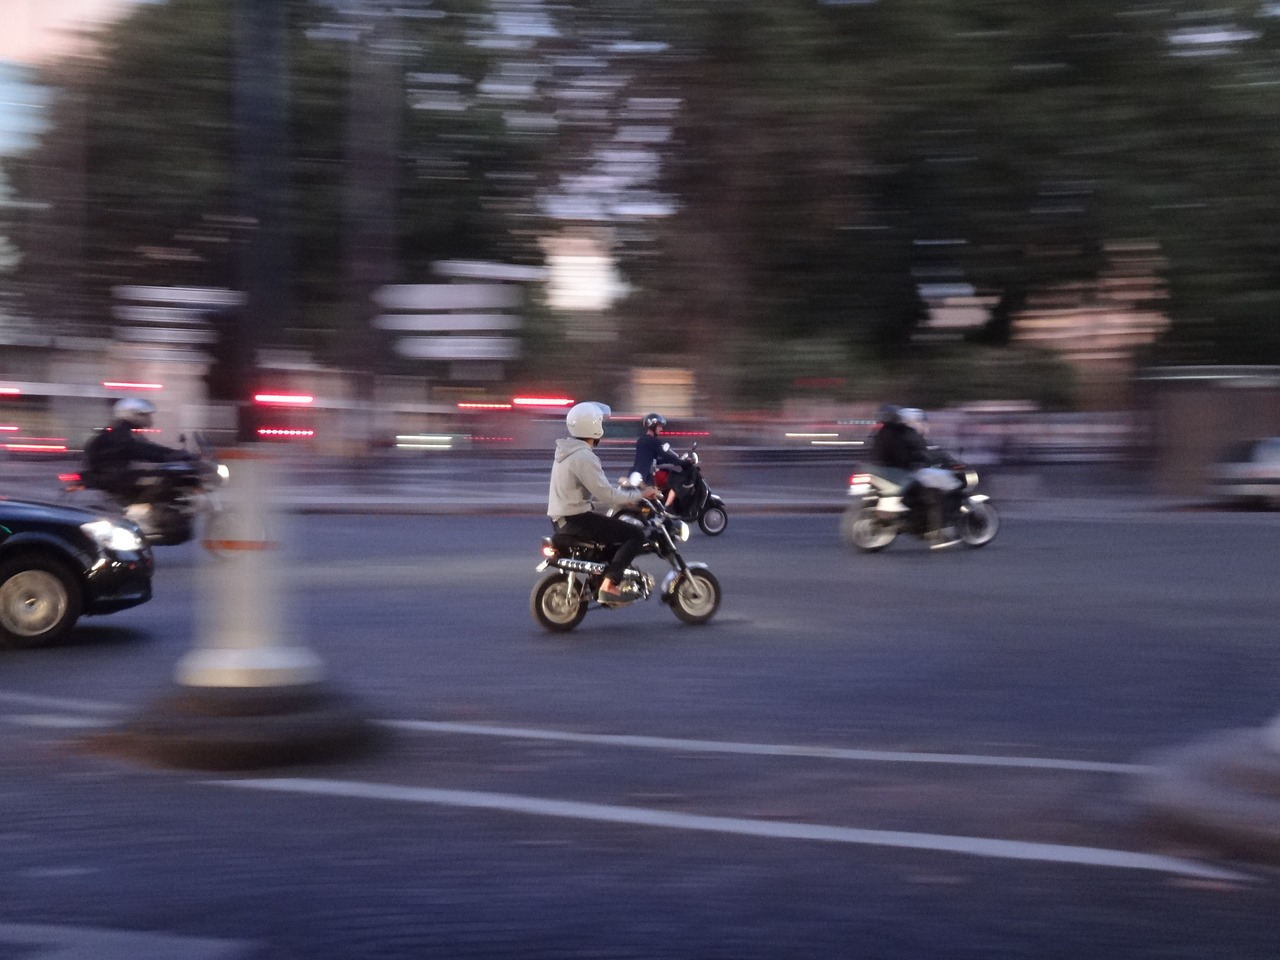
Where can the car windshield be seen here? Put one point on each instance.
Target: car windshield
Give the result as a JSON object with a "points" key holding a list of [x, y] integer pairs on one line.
{"points": [[1238, 453], [1267, 451]]}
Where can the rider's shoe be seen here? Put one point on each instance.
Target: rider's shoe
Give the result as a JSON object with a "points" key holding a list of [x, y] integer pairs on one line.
{"points": [[625, 592]]}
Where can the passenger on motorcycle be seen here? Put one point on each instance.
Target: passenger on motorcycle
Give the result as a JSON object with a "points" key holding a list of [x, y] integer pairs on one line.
{"points": [[579, 486], [899, 447], [652, 451], [116, 457]]}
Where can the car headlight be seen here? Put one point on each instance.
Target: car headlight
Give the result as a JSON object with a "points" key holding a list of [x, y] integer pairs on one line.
{"points": [[112, 536]]}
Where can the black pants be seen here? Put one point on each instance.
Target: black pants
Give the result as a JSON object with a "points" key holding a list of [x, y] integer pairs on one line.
{"points": [[607, 530]]}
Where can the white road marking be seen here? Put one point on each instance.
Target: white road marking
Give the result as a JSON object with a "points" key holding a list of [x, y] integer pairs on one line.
{"points": [[658, 743], [49, 942], [772, 829], [649, 743], [60, 703], [55, 721], [763, 749]]}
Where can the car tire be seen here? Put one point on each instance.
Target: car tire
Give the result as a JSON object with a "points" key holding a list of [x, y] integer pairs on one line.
{"points": [[40, 601]]}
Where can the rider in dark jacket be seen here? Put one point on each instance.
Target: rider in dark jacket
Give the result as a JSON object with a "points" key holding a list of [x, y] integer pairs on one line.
{"points": [[652, 451], [898, 445], [906, 458], [116, 456]]}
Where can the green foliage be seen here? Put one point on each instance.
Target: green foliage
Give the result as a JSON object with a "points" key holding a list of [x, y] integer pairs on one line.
{"points": [[150, 121], [770, 372], [854, 150], [827, 160]]}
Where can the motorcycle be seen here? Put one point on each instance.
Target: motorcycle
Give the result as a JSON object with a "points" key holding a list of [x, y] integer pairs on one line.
{"points": [[701, 506], [879, 515], [574, 569], [173, 498]]}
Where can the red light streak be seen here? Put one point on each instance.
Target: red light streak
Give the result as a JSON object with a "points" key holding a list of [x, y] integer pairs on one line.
{"points": [[9, 391], [8, 428], [284, 399], [484, 406], [541, 401], [27, 446], [284, 432]]}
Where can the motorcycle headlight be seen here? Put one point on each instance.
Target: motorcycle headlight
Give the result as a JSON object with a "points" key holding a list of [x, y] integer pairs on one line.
{"points": [[224, 472], [683, 530], [112, 536]]}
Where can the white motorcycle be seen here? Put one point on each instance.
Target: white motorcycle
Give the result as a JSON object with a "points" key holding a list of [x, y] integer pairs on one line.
{"points": [[878, 514]]}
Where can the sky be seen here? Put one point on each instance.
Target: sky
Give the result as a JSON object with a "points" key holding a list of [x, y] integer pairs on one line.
{"points": [[34, 32]]}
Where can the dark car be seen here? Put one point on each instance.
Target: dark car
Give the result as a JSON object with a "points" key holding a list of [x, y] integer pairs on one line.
{"points": [[58, 563], [1249, 472]]}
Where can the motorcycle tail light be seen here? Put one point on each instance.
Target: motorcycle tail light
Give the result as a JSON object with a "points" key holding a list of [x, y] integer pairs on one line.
{"points": [[68, 478], [548, 551], [859, 483]]}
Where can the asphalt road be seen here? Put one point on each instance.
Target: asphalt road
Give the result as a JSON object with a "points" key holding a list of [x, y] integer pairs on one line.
{"points": [[904, 755]]}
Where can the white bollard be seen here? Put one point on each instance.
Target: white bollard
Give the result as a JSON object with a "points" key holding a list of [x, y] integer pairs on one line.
{"points": [[244, 601], [245, 697]]}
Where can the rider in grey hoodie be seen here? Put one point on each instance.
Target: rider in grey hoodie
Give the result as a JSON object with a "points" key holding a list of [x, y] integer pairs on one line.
{"points": [[579, 486]]}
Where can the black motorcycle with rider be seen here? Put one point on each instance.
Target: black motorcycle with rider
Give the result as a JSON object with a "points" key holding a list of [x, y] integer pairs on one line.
{"points": [[678, 478], [162, 489], [599, 531]]}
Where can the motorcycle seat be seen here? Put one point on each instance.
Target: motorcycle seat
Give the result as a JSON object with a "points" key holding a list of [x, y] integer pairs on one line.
{"points": [[567, 541]]}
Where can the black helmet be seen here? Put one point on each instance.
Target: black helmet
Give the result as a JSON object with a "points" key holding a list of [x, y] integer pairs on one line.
{"points": [[890, 413], [652, 420]]}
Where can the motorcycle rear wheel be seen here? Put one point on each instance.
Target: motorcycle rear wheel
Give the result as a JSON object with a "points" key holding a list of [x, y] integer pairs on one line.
{"points": [[979, 523], [713, 520], [863, 529], [555, 605], [696, 597]]}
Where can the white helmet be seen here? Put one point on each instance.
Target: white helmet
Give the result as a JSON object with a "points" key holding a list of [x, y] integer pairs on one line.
{"points": [[134, 409], [912, 417], [586, 420]]}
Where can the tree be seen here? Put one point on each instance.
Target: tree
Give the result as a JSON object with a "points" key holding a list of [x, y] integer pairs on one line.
{"points": [[832, 158], [152, 117]]}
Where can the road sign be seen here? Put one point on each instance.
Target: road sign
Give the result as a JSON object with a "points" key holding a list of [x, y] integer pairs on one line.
{"points": [[459, 348], [445, 322], [448, 296]]}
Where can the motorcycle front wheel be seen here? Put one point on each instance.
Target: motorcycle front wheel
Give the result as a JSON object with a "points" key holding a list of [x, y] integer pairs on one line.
{"points": [[979, 523], [713, 520], [696, 597], [557, 603], [863, 529]]}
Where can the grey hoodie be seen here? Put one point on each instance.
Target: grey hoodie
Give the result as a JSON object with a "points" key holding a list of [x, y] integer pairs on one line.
{"points": [[578, 483]]}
